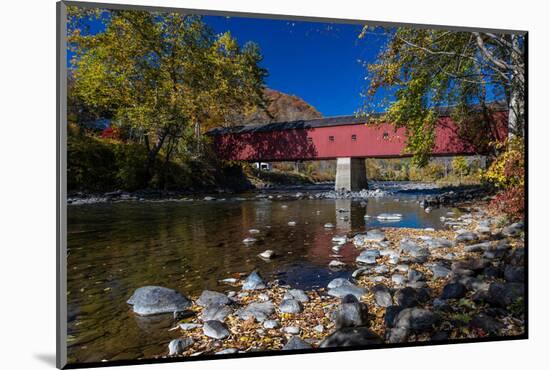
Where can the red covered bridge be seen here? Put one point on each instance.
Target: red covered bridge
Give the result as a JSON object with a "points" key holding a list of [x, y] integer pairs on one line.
{"points": [[349, 140]]}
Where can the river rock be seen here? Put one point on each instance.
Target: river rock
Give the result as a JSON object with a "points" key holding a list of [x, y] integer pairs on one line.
{"points": [[382, 269], [271, 324], [350, 313], [260, 311], [208, 298], [254, 231], [345, 289], [473, 264], [479, 247], [439, 243], [295, 343], [416, 319], [439, 271], [267, 254], [291, 223], [354, 336], [466, 236], [336, 265], [290, 306], [216, 312], [249, 240], [453, 291], [397, 335], [407, 245], [215, 329], [360, 271], [406, 297], [514, 274], [335, 283], [402, 268], [178, 346], [398, 279], [227, 351], [328, 225], [254, 281], [368, 256], [152, 300], [296, 294], [513, 229], [487, 323], [189, 326], [503, 295], [382, 295], [292, 330], [414, 276], [391, 314]]}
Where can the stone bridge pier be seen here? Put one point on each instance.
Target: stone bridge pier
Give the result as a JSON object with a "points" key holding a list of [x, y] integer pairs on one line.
{"points": [[351, 174]]}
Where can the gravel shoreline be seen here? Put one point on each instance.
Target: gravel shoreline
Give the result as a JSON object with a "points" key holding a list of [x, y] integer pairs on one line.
{"points": [[410, 285]]}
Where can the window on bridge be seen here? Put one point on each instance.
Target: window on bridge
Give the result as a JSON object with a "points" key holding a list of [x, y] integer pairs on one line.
{"points": [[353, 137], [310, 140], [331, 138], [386, 136]]}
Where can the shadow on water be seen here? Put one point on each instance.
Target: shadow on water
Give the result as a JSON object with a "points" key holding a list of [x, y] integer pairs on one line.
{"points": [[189, 246]]}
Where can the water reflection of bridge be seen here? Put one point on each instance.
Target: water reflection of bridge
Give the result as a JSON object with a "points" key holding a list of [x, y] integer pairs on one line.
{"points": [[349, 215]]}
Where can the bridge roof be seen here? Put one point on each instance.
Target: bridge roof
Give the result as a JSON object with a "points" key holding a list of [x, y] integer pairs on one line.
{"points": [[314, 123]]}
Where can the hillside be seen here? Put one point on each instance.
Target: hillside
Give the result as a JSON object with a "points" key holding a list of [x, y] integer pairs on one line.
{"points": [[282, 107]]}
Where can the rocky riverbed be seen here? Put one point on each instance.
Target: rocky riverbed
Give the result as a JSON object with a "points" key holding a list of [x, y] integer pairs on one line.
{"points": [[409, 285]]}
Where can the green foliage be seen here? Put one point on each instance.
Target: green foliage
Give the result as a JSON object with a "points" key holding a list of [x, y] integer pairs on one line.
{"points": [[159, 74], [460, 166], [100, 165], [420, 70]]}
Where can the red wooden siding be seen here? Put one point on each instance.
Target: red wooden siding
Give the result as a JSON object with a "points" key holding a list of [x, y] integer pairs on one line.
{"points": [[329, 142]]}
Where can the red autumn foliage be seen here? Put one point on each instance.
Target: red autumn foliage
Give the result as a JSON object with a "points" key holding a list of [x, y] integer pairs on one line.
{"points": [[511, 202], [110, 133]]}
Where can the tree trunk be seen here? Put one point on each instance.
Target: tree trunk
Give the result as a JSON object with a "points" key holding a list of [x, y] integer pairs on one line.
{"points": [[152, 156], [516, 107], [198, 137]]}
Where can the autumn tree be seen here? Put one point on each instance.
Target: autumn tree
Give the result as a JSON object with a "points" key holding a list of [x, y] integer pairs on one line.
{"points": [[162, 74], [420, 70]]}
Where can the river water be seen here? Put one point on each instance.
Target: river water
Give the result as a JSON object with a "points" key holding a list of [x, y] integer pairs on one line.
{"points": [[189, 246]]}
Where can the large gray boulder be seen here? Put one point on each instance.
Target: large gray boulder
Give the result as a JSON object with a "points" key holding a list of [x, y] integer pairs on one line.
{"points": [[152, 300]]}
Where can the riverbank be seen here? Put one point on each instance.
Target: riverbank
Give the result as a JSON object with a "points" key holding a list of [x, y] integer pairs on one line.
{"points": [[409, 285], [435, 194]]}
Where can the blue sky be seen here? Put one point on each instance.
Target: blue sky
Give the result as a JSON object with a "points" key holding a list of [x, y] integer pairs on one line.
{"points": [[318, 62]]}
